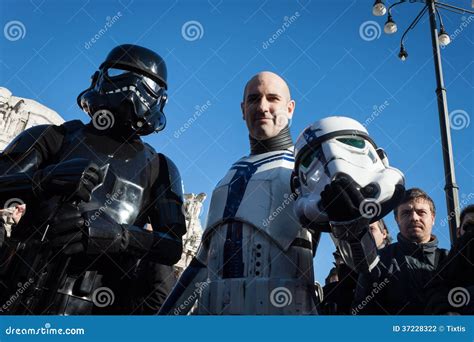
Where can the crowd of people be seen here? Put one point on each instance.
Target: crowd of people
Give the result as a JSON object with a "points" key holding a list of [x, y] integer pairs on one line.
{"points": [[103, 210]]}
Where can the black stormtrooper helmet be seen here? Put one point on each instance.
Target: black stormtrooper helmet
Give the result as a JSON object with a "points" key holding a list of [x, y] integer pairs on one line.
{"points": [[128, 92]]}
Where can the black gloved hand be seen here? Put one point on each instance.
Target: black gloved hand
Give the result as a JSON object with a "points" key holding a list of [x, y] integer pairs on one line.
{"points": [[342, 199], [93, 232], [73, 178], [68, 230]]}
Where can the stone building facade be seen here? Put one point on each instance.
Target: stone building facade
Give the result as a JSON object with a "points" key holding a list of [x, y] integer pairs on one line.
{"points": [[18, 114]]}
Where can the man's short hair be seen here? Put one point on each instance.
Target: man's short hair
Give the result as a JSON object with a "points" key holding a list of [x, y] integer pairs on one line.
{"points": [[467, 210], [384, 229], [415, 194]]}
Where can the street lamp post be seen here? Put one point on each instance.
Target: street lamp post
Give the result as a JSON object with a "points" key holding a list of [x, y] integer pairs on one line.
{"points": [[432, 7], [451, 188]]}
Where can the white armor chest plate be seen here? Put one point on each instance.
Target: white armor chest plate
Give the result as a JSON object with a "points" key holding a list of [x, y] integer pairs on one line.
{"points": [[258, 257], [256, 191]]}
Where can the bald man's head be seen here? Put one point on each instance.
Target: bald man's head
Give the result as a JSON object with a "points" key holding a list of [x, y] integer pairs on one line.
{"points": [[267, 105], [266, 76]]}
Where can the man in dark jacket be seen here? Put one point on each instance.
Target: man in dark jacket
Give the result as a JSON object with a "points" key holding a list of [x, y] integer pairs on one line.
{"points": [[397, 284], [452, 292]]}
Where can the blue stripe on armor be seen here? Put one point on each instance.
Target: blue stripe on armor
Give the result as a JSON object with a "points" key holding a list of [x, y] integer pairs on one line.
{"points": [[274, 159], [233, 264], [260, 163], [237, 187], [239, 181], [289, 154]]}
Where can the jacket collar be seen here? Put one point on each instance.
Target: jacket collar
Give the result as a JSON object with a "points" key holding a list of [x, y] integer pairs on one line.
{"points": [[410, 247]]}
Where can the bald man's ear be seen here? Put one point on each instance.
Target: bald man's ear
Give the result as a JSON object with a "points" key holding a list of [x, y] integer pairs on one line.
{"points": [[291, 108], [242, 109]]}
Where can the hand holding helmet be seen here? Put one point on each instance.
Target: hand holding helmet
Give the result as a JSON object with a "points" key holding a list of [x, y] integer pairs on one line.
{"points": [[344, 182], [341, 175]]}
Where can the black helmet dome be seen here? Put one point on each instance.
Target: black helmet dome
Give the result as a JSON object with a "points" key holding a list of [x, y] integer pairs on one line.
{"points": [[138, 59]]}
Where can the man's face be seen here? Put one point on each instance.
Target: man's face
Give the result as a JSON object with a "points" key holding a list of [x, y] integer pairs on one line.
{"points": [[415, 220], [467, 221], [376, 232], [267, 107]]}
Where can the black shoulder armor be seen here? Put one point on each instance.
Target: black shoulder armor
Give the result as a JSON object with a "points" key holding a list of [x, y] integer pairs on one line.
{"points": [[32, 146], [25, 155]]}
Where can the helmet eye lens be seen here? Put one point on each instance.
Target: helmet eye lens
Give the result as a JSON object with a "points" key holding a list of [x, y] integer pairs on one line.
{"points": [[155, 87], [308, 159], [112, 72], [152, 86], [354, 142]]}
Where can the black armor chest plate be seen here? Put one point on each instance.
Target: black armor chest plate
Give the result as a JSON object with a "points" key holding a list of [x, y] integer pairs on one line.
{"points": [[129, 172]]}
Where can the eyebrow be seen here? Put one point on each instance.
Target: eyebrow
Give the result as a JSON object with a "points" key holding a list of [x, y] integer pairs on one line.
{"points": [[255, 95], [273, 95]]}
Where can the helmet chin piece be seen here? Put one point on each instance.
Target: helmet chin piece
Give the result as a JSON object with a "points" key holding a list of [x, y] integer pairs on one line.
{"points": [[137, 111], [156, 119], [339, 146], [152, 121]]}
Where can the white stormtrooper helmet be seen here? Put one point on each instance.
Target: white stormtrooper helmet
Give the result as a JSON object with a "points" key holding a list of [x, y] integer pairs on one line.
{"points": [[336, 146]]}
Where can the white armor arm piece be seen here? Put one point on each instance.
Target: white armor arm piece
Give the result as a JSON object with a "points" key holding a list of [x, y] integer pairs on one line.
{"points": [[356, 244]]}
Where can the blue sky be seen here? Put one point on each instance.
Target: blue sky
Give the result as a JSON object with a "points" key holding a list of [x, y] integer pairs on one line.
{"points": [[333, 67]]}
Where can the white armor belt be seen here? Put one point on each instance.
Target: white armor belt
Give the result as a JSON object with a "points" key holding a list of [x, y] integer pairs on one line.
{"points": [[264, 296]]}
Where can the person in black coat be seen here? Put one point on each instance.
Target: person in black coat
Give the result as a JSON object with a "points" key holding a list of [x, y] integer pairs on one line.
{"points": [[452, 292], [397, 284]]}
